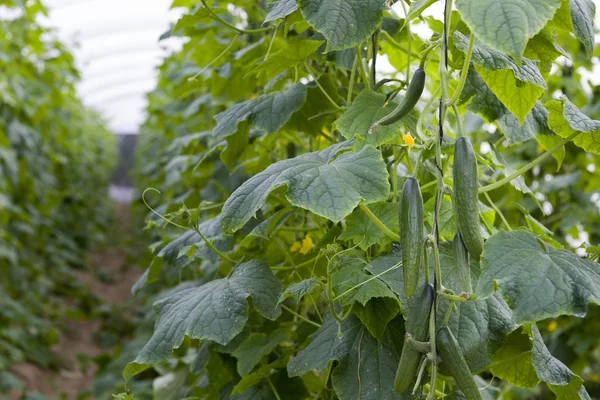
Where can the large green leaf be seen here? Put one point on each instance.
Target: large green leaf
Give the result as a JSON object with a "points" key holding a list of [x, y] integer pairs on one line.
{"points": [[344, 23], [517, 96], [582, 15], [361, 230], [536, 280], [215, 311], [367, 366], [331, 341], [513, 363], [506, 25], [524, 361], [367, 372], [535, 124], [268, 112], [560, 379], [565, 119], [324, 182], [366, 109], [493, 60], [484, 102]]}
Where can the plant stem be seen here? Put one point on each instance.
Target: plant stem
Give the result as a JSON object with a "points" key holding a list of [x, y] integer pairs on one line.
{"points": [[448, 314], [352, 78], [273, 389], [395, 173], [299, 229], [452, 297], [495, 207], [302, 317], [463, 73], [229, 25], [271, 42], [310, 71], [459, 126], [361, 66], [528, 166], [424, 113], [407, 40], [212, 247], [394, 236], [374, 51], [443, 72], [397, 45]]}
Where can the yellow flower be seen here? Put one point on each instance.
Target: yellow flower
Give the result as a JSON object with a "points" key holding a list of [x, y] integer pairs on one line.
{"points": [[296, 246], [307, 244], [408, 140], [552, 326]]}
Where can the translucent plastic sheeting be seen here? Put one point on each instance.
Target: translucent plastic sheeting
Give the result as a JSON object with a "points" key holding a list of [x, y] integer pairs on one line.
{"points": [[116, 47]]}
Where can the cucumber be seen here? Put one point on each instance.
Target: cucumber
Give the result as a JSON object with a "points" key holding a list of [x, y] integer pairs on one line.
{"points": [[417, 325], [455, 363], [412, 239], [412, 96], [461, 262], [466, 196]]}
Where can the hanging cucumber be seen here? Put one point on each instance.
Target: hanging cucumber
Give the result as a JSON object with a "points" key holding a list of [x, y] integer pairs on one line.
{"points": [[461, 262], [417, 325], [411, 234], [466, 196], [412, 96], [455, 363]]}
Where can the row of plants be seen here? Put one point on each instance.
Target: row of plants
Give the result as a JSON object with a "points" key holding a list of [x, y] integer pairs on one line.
{"points": [[322, 230], [56, 160]]}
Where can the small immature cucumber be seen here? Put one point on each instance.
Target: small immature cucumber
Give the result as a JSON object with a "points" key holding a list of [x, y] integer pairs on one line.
{"points": [[466, 196], [461, 262], [412, 96], [417, 325], [412, 238], [455, 364]]}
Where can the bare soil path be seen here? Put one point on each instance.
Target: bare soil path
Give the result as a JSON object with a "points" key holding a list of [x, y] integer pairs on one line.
{"points": [[78, 341]]}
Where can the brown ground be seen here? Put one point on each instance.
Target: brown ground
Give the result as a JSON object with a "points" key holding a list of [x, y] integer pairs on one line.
{"points": [[78, 338]]}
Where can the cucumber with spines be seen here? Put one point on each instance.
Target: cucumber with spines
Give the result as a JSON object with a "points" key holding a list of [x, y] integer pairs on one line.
{"points": [[412, 239], [412, 96], [466, 196], [417, 325], [455, 363]]}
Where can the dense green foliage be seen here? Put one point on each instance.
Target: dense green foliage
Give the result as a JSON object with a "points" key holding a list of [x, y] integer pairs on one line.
{"points": [[56, 159], [276, 272]]}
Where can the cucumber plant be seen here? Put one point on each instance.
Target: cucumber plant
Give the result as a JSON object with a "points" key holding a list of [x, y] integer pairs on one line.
{"points": [[303, 199]]}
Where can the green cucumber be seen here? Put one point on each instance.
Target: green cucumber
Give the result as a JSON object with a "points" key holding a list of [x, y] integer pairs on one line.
{"points": [[417, 325], [461, 262], [412, 96], [466, 196], [412, 239], [455, 363]]}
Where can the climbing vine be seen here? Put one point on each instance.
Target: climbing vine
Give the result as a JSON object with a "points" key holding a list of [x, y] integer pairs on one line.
{"points": [[358, 199]]}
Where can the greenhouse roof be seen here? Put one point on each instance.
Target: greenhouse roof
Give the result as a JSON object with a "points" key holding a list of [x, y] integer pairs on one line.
{"points": [[117, 50]]}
